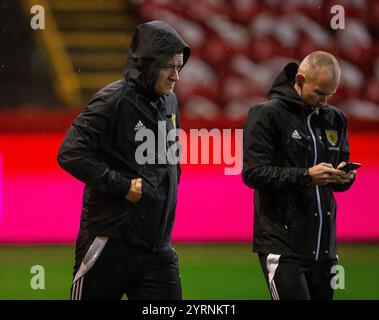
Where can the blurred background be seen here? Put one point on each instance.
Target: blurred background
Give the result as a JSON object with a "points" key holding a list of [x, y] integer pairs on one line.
{"points": [[238, 46]]}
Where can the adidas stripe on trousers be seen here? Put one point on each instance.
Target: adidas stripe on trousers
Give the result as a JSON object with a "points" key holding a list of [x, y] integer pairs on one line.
{"points": [[290, 279], [112, 268]]}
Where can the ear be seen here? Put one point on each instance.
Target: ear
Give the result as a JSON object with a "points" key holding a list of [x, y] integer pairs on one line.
{"points": [[299, 79]]}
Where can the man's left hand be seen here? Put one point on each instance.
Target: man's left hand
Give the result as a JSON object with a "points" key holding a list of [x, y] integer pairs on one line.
{"points": [[343, 177]]}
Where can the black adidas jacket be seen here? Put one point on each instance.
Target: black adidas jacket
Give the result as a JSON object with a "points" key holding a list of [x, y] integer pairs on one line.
{"points": [[99, 148], [282, 138]]}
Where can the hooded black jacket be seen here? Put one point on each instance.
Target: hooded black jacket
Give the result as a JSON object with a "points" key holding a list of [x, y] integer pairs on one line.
{"points": [[282, 139], [99, 148]]}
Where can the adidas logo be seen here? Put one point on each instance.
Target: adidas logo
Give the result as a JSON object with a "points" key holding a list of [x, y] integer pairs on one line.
{"points": [[296, 135], [139, 126]]}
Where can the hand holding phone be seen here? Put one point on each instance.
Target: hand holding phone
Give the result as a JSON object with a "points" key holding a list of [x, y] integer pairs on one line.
{"points": [[350, 166]]}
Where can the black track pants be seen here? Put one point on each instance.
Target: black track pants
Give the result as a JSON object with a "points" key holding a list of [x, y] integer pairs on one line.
{"points": [[111, 268], [289, 279]]}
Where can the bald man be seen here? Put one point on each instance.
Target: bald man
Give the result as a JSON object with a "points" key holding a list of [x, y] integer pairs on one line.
{"points": [[294, 145]]}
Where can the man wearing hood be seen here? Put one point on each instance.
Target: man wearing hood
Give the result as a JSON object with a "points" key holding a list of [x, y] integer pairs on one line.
{"points": [[123, 246], [294, 145]]}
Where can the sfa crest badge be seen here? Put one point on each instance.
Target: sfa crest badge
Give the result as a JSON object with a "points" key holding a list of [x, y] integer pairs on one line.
{"points": [[332, 136]]}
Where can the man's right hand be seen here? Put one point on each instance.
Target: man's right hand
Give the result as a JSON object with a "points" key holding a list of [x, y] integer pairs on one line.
{"points": [[135, 191], [324, 173]]}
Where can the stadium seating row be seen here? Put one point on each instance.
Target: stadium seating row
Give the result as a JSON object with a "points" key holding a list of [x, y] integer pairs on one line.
{"points": [[238, 47]]}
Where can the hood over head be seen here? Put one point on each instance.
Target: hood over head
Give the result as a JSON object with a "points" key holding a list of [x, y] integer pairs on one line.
{"points": [[153, 45], [283, 89]]}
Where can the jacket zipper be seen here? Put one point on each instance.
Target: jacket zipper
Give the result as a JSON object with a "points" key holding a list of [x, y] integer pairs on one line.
{"points": [[317, 188], [166, 215]]}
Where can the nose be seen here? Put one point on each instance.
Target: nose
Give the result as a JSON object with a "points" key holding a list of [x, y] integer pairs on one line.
{"points": [[174, 75], [324, 101]]}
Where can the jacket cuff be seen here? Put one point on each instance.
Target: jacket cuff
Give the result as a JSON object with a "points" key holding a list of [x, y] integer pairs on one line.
{"points": [[304, 179], [125, 187], [114, 183]]}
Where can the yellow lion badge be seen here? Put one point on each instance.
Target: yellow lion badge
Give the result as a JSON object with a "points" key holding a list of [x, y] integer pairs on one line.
{"points": [[173, 118], [332, 136]]}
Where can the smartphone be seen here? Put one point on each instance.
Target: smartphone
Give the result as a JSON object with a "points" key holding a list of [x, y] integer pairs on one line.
{"points": [[350, 166]]}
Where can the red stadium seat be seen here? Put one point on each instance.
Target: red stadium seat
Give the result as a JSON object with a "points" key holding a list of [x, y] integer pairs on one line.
{"points": [[372, 90]]}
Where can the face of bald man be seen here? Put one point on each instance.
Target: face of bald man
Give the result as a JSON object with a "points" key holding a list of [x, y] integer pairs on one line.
{"points": [[317, 92]]}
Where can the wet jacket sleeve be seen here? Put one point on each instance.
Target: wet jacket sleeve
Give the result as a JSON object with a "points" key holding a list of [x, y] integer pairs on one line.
{"points": [[78, 154], [344, 156], [260, 169]]}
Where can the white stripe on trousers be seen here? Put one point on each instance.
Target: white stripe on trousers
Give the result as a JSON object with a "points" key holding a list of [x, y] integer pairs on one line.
{"points": [[274, 292], [272, 263], [77, 287], [89, 260]]}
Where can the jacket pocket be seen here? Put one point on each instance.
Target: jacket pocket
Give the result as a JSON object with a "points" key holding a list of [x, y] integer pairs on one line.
{"points": [[298, 229], [148, 211], [149, 182], [294, 218]]}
